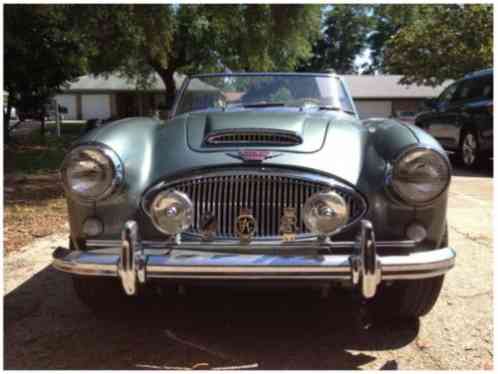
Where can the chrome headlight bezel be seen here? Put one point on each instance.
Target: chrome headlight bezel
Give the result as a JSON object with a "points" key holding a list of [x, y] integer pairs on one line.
{"points": [[393, 174], [114, 163]]}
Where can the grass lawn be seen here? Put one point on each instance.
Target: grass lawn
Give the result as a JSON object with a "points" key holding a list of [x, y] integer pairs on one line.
{"points": [[34, 204]]}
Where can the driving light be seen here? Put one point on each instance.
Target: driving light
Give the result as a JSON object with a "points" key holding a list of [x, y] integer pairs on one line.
{"points": [[171, 212], [325, 213], [420, 175], [91, 172], [416, 232], [92, 227]]}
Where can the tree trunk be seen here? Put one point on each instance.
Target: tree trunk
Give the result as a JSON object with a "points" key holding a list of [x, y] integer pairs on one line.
{"points": [[42, 123], [6, 123], [167, 76], [169, 82]]}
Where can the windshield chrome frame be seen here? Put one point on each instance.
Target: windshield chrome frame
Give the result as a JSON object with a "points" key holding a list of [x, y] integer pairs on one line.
{"points": [[336, 103]]}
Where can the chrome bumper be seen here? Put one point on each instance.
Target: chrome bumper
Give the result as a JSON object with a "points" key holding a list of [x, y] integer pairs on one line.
{"points": [[365, 268]]}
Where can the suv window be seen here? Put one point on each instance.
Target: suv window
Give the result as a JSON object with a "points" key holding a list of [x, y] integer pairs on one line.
{"points": [[474, 88], [447, 94], [463, 90], [482, 87]]}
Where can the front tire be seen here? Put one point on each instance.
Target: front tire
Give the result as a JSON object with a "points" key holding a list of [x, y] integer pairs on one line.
{"points": [[102, 295], [411, 298]]}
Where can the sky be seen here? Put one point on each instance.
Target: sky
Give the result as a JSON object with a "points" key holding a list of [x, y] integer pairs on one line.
{"points": [[362, 58]]}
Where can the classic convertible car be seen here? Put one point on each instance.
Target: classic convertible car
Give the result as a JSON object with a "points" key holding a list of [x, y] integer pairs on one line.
{"points": [[259, 177]]}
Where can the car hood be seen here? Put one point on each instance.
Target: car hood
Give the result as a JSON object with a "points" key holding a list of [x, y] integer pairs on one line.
{"points": [[308, 129], [334, 143]]}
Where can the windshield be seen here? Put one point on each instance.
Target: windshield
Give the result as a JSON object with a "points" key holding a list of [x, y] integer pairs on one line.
{"points": [[224, 92]]}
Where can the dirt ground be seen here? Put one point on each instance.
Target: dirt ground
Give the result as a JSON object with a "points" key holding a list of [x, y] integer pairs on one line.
{"points": [[34, 204], [46, 327]]}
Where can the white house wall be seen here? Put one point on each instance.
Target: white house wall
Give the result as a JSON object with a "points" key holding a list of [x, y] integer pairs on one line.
{"points": [[374, 108], [96, 106], [68, 101]]}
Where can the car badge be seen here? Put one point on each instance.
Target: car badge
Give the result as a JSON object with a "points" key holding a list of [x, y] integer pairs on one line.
{"points": [[253, 155], [208, 226], [288, 223], [245, 225]]}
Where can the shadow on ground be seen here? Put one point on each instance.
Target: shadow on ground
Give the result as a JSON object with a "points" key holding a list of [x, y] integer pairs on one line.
{"points": [[485, 169], [46, 327]]}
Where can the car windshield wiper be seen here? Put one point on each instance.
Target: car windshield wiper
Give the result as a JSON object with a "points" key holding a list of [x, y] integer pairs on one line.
{"points": [[262, 105], [254, 105], [335, 108]]}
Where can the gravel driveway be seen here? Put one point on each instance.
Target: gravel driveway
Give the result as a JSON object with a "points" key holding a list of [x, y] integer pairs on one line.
{"points": [[46, 327]]}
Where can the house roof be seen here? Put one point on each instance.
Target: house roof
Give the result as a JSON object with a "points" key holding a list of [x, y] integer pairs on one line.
{"points": [[387, 86], [360, 86], [115, 83], [92, 83]]}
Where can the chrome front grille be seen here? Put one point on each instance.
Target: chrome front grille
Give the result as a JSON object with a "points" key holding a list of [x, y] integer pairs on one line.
{"points": [[266, 194], [254, 137]]}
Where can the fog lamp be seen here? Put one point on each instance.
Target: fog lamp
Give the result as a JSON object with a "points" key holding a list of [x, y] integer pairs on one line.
{"points": [[92, 227], [171, 212], [325, 213], [416, 232]]}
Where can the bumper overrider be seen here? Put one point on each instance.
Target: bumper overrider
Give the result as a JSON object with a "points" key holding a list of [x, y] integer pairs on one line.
{"points": [[134, 264]]}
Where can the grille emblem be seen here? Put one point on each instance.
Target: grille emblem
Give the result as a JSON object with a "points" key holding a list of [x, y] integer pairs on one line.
{"points": [[245, 225], [288, 224], [253, 155], [208, 226]]}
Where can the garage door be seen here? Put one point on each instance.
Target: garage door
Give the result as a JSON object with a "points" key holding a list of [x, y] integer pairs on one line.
{"points": [[68, 101], [374, 108], [96, 106]]}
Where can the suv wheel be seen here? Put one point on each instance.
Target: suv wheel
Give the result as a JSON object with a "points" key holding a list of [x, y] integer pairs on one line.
{"points": [[469, 149]]}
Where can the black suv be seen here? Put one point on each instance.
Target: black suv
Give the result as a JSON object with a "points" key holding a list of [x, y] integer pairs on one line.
{"points": [[461, 118]]}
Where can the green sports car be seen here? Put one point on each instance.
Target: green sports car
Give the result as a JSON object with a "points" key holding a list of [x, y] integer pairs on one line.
{"points": [[259, 178]]}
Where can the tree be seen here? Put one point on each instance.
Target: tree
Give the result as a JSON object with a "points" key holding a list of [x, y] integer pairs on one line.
{"points": [[42, 52], [198, 38], [448, 42], [387, 20], [344, 36]]}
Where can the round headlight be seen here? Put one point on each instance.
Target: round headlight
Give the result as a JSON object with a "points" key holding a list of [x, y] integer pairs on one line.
{"points": [[171, 212], [91, 172], [420, 175], [325, 213]]}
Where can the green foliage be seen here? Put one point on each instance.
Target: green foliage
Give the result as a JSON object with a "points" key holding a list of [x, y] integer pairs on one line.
{"points": [[140, 39], [387, 20], [344, 36], [40, 155], [447, 42], [42, 52]]}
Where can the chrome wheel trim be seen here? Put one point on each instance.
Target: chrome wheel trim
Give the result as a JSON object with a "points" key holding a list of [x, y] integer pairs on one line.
{"points": [[469, 149]]}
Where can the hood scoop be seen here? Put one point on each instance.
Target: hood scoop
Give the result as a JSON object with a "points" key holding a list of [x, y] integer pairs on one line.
{"points": [[254, 136], [286, 131]]}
